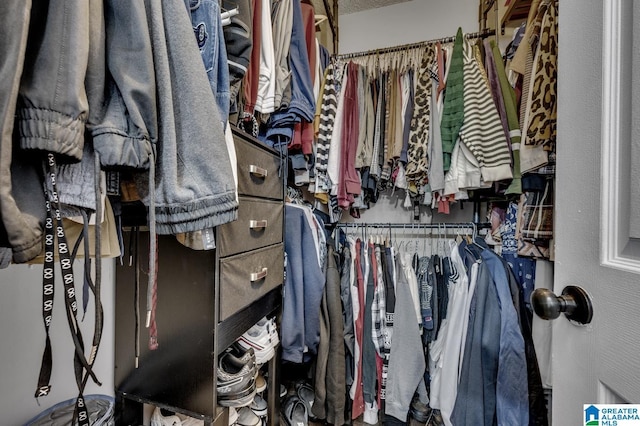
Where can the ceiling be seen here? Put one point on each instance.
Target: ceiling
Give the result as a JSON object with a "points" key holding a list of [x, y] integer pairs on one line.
{"points": [[351, 6]]}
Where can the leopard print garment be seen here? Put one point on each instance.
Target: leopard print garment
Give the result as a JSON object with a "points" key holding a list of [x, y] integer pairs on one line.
{"points": [[541, 127], [418, 165]]}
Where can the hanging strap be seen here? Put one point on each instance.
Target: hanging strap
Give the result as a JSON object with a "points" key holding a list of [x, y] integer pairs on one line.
{"points": [[48, 288], [54, 218], [95, 288]]}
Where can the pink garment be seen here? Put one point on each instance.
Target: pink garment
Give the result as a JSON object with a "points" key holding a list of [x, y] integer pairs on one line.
{"points": [[443, 205], [303, 137], [253, 71], [349, 182], [357, 408], [309, 23]]}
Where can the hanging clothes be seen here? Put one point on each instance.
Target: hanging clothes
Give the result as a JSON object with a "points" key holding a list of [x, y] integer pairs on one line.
{"points": [[358, 299], [476, 398], [407, 356], [325, 132], [303, 288], [252, 76], [266, 93], [472, 334], [453, 109], [419, 134], [542, 106], [302, 102], [348, 179], [330, 384], [369, 355], [239, 45], [481, 130], [515, 135]]}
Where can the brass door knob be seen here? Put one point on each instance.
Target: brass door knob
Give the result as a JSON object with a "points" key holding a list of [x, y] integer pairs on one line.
{"points": [[574, 302]]}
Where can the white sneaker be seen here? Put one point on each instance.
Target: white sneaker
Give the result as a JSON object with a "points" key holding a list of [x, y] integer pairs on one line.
{"points": [[158, 419], [259, 406], [259, 339], [190, 421], [233, 415], [270, 324], [273, 329], [246, 417]]}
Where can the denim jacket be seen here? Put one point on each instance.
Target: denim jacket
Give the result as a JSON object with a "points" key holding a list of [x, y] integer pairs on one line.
{"points": [[207, 28]]}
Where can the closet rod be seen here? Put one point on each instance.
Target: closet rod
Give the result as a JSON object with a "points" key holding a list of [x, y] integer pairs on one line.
{"points": [[409, 226], [469, 36]]}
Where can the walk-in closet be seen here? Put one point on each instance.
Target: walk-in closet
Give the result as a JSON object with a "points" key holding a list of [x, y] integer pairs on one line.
{"points": [[319, 212]]}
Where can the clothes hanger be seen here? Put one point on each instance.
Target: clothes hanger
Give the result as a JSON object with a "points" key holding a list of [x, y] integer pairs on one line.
{"points": [[424, 243], [467, 238], [226, 15], [475, 235], [431, 243], [458, 238], [440, 250]]}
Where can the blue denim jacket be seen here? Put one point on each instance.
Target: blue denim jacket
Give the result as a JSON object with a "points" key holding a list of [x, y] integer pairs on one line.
{"points": [[207, 28]]}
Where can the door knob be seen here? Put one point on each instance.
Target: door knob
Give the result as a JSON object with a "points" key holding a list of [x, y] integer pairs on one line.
{"points": [[574, 302]]}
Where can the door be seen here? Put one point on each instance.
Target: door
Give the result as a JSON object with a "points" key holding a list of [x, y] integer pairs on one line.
{"points": [[598, 205]]}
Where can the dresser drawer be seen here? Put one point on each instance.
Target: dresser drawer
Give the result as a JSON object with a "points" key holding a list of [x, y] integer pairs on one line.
{"points": [[257, 171], [249, 276], [259, 224]]}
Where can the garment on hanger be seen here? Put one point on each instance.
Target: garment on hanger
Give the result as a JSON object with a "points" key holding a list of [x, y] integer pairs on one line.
{"points": [[239, 45], [265, 99], [453, 108], [280, 126], [407, 355], [330, 380], [304, 285], [282, 21], [419, 133], [358, 299], [481, 130], [473, 330]]}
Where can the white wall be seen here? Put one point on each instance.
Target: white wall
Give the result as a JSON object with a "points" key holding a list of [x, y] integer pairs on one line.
{"points": [[22, 339], [404, 23]]}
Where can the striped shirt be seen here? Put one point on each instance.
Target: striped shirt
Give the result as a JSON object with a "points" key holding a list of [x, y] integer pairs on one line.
{"points": [[327, 117], [482, 130]]}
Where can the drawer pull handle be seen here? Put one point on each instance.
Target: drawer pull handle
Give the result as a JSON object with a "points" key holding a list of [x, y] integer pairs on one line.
{"points": [[255, 276], [253, 224], [258, 171]]}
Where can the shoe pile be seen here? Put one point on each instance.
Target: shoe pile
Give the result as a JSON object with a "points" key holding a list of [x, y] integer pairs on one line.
{"points": [[295, 411], [237, 373], [240, 382], [255, 414], [296, 408], [262, 338], [158, 418]]}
